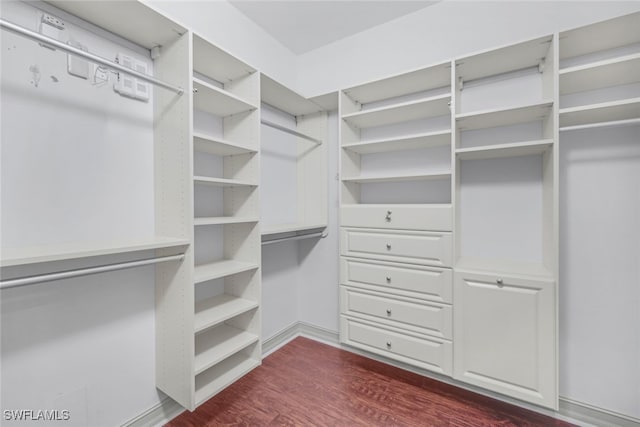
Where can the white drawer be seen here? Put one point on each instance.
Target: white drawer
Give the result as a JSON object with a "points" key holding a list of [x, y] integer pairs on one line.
{"points": [[417, 247], [422, 317], [428, 353], [414, 281], [399, 217]]}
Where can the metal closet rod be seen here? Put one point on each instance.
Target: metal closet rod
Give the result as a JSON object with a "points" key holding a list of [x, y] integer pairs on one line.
{"points": [[32, 280], [291, 131], [298, 237], [11, 27]]}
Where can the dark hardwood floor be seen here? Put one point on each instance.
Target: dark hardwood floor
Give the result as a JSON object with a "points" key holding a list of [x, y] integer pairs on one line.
{"points": [[307, 383]]}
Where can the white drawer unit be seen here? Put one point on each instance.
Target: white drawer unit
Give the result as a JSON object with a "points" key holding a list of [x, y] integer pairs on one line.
{"points": [[416, 247], [418, 350], [400, 217], [505, 333], [429, 283], [419, 316]]}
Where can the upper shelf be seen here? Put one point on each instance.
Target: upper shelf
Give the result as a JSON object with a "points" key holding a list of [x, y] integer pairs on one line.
{"points": [[503, 116], [217, 64], [602, 112], [222, 182], [409, 142], [503, 60], [397, 178], [284, 99], [496, 151], [600, 74], [403, 112], [215, 100], [604, 35], [412, 82], [219, 147], [70, 251]]}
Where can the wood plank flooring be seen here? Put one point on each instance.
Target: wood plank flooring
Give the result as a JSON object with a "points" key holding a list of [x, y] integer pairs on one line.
{"points": [[307, 383]]}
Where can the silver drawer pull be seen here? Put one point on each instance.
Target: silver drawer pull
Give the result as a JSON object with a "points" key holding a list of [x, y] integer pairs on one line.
{"points": [[388, 312], [388, 344], [388, 246], [499, 282], [388, 279]]}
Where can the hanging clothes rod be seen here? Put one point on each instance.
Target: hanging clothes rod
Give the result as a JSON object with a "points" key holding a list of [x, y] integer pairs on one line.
{"points": [[32, 280], [291, 131], [11, 27], [298, 237]]}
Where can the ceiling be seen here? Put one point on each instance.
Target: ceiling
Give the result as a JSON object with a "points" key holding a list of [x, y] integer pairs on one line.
{"points": [[304, 25]]}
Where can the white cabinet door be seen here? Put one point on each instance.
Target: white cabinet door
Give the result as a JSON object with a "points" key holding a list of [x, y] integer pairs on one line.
{"points": [[505, 335]]}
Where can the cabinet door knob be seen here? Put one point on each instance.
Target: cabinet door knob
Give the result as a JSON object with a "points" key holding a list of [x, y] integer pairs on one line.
{"points": [[388, 312], [388, 246], [499, 282], [388, 279], [388, 344], [195, 90]]}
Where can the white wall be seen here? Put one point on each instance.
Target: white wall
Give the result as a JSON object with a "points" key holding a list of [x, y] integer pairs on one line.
{"points": [[438, 33]]}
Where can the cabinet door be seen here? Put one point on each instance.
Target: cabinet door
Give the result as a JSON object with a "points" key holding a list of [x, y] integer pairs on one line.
{"points": [[505, 335]]}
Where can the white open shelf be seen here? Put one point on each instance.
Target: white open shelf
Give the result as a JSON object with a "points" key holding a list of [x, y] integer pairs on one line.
{"points": [[503, 266], [223, 220], [515, 149], [214, 62], [603, 112], [503, 116], [270, 230], [409, 142], [398, 178], [284, 99], [219, 146], [213, 311], [433, 106], [420, 80], [218, 101], [214, 379], [218, 344], [503, 60], [219, 269], [222, 182], [600, 74], [69, 251]]}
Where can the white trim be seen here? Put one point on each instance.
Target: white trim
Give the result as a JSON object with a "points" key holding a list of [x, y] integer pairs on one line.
{"points": [[595, 415], [157, 415]]}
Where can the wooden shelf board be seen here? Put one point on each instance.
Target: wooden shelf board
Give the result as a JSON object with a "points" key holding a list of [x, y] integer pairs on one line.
{"points": [[409, 142], [213, 311], [215, 379], [219, 269], [503, 116], [284, 99], [603, 35], [218, 146], [222, 220], [402, 112], [70, 251], [290, 228], [222, 182], [503, 60], [504, 150], [218, 101], [397, 178], [214, 62], [602, 112], [504, 266], [218, 344], [415, 81], [600, 74]]}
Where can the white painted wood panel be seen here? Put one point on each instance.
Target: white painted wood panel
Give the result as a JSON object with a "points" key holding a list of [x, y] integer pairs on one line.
{"points": [[433, 217]]}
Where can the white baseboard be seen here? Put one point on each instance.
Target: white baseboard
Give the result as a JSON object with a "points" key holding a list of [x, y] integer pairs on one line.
{"points": [[594, 415], [158, 415]]}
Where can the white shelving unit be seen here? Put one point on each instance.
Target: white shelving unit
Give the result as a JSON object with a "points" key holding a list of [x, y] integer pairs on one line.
{"points": [[304, 122]]}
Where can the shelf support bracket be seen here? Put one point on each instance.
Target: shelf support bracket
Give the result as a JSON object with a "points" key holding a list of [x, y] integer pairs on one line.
{"points": [[460, 83], [541, 65]]}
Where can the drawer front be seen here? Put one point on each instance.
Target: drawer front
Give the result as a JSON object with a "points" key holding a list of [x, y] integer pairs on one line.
{"points": [[430, 283], [420, 217], [427, 318], [433, 354], [418, 247]]}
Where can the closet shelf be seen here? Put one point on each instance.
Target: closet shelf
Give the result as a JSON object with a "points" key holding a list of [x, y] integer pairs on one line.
{"points": [[290, 228], [213, 62], [214, 100], [219, 147], [503, 116], [403, 112], [219, 344], [518, 269], [216, 378], [222, 182], [409, 142], [219, 269], [515, 149], [223, 220], [614, 123], [214, 311], [70, 251], [398, 178], [602, 112], [601, 74]]}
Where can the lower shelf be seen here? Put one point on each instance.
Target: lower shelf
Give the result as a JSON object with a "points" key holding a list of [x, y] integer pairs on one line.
{"points": [[213, 311], [215, 379], [220, 343]]}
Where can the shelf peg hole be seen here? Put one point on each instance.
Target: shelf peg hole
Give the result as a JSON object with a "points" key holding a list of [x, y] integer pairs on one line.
{"points": [[388, 312], [388, 279], [388, 246]]}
